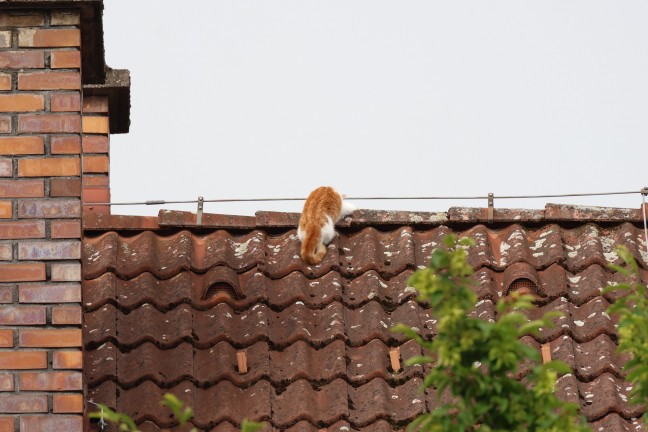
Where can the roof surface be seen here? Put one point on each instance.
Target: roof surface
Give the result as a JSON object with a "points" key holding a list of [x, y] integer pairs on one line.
{"points": [[168, 306]]}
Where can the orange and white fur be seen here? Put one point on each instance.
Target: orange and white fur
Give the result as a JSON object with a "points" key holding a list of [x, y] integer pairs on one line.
{"points": [[323, 208]]}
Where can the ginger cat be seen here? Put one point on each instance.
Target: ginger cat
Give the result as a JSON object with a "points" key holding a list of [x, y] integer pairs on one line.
{"points": [[323, 208]]}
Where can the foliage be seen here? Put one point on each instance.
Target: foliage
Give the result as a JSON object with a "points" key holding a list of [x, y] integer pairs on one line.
{"points": [[123, 421], [249, 426], [633, 327], [475, 360], [182, 413]]}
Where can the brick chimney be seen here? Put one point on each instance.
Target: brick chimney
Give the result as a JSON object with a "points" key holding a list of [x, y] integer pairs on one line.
{"points": [[58, 104]]}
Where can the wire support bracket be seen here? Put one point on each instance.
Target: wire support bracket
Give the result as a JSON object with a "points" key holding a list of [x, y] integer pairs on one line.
{"points": [[491, 207], [199, 212]]}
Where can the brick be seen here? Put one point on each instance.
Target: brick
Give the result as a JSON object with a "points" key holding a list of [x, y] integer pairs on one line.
{"points": [[96, 209], [22, 229], [66, 272], [50, 381], [6, 294], [66, 315], [49, 167], [91, 181], [6, 210], [21, 102], [62, 229], [60, 102], [5, 39], [5, 124], [41, 38], [65, 144], [27, 145], [51, 423], [95, 144], [5, 82], [6, 338], [49, 250], [95, 164], [58, 80], [6, 167], [65, 17], [7, 384], [65, 59], [65, 187], [96, 195], [6, 251], [23, 403], [95, 104], [22, 188], [22, 315], [22, 59], [50, 293], [67, 359], [96, 124], [50, 338], [49, 123], [49, 209], [28, 272], [7, 424], [21, 19], [68, 403], [23, 359]]}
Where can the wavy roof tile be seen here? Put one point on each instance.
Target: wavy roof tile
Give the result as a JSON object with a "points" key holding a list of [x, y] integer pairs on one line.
{"points": [[170, 306]]}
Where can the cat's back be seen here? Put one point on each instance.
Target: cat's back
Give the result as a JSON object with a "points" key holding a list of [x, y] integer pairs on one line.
{"points": [[322, 202]]}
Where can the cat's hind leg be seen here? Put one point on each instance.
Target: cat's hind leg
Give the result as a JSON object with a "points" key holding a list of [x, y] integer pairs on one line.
{"points": [[327, 232]]}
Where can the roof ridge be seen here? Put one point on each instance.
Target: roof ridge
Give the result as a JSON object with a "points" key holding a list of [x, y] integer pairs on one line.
{"points": [[365, 217]]}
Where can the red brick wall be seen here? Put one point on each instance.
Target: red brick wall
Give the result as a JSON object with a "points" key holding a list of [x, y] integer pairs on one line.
{"points": [[96, 188], [41, 167]]}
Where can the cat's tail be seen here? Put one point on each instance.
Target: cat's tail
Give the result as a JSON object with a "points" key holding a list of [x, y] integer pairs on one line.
{"points": [[312, 250]]}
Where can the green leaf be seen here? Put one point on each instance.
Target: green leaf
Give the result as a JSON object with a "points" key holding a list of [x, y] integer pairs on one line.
{"points": [[466, 241], [123, 421], [439, 260], [558, 366], [416, 360], [249, 426], [177, 406], [617, 268]]}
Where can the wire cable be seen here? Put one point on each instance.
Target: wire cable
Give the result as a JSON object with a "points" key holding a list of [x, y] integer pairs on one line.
{"points": [[384, 198]]}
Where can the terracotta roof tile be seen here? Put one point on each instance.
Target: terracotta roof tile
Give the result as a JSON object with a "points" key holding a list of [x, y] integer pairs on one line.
{"points": [[615, 423], [169, 309], [315, 404], [378, 400], [224, 401]]}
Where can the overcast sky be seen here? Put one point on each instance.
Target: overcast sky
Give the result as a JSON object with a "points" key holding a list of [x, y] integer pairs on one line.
{"points": [[258, 99]]}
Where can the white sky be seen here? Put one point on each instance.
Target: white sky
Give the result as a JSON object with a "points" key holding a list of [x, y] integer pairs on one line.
{"points": [[257, 99]]}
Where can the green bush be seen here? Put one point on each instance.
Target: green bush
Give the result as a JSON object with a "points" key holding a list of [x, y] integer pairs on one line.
{"points": [[182, 413], [632, 329], [474, 361]]}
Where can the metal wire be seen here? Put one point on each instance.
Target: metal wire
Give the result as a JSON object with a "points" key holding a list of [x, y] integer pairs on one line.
{"points": [[385, 198], [102, 423]]}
